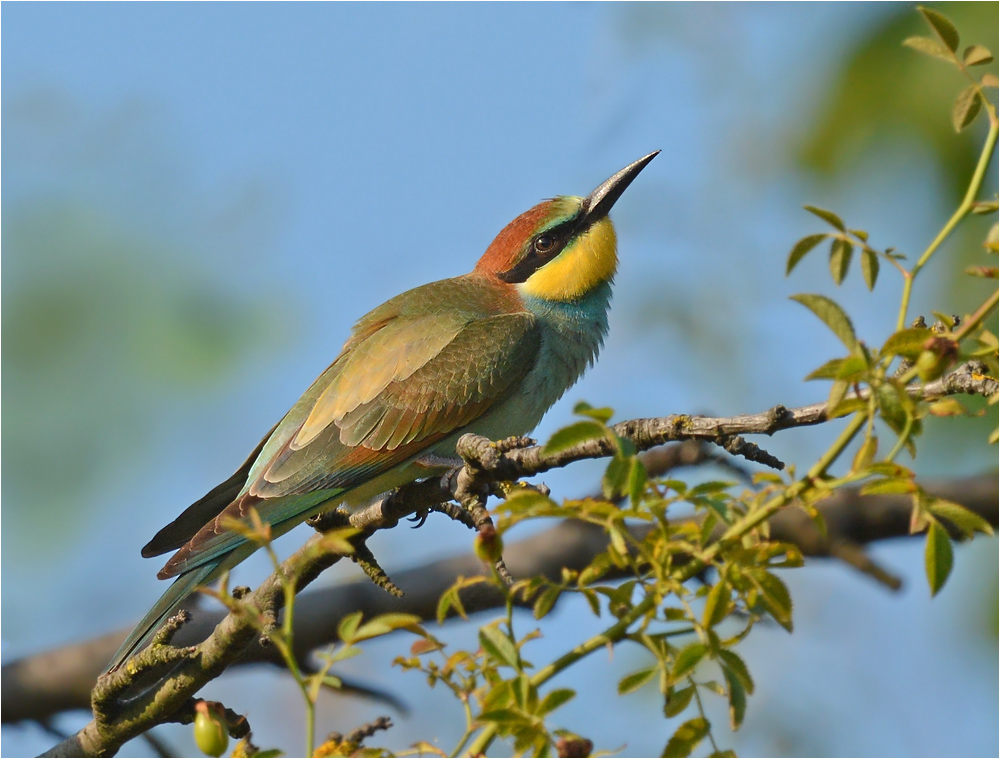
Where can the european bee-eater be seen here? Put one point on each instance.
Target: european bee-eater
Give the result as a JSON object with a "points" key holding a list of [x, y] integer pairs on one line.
{"points": [[488, 352]]}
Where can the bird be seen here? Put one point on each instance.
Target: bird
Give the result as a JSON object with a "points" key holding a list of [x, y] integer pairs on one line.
{"points": [[486, 352]]}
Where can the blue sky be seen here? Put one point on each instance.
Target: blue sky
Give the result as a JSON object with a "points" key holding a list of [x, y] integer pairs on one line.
{"points": [[287, 167]]}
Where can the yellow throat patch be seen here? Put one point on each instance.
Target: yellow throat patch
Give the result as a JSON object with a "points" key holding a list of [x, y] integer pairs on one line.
{"points": [[590, 260]]}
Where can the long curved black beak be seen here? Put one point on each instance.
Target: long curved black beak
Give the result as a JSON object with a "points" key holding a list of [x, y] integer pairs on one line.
{"points": [[599, 202]]}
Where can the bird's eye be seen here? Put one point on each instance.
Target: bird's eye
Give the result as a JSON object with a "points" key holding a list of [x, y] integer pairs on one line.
{"points": [[544, 243]]}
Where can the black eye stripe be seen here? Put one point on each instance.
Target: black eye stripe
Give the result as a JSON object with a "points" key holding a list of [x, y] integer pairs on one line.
{"points": [[553, 242]]}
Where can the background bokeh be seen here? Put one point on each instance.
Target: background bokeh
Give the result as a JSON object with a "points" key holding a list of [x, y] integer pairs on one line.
{"points": [[199, 199]]}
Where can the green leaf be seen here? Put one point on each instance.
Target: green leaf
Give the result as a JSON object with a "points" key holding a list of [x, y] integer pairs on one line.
{"points": [[966, 108], [800, 249], [732, 662], [841, 252], [850, 369], [677, 701], [602, 415], [449, 599], [869, 267], [776, 598], [906, 342], [686, 738], [866, 454], [977, 55], [554, 699], [689, 657], [938, 558], [525, 693], [717, 604], [832, 315], [964, 519], [896, 407], [636, 482], [502, 716], [947, 407], [930, 47], [348, 626], [829, 370], [385, 623], [574, 434], [616, 475], [546, 600], [828, 216], [944, 28], [635, 680], [737, 699], [342, 653], [709, 486], [837, 392], [499, 646], [501, 696], [889, 486], [527, 500]]}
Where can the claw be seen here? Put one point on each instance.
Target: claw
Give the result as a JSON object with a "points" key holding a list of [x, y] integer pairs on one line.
{"points": [[419, 517]]}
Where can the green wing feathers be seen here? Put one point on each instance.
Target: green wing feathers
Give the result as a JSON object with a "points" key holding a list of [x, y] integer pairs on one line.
{"points": [[411, 375]]}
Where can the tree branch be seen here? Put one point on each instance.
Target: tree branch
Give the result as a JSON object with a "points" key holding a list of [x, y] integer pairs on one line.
{"points": [[181, 670]]}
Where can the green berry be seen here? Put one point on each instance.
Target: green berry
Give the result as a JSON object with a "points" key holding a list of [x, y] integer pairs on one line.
{"points": [[210, 734]]}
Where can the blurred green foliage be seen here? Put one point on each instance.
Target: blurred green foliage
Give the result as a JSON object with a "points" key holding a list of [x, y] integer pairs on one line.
{"points": [[103, 320], [881, 93]]}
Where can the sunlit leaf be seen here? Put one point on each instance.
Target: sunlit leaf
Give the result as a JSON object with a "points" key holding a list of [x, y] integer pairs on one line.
{"points": [[574, 434], [386, 623], [677, 701], [966, 108], [800, 249], [866, 454], [832, 315], [732, 661], [635, 680], [938, 558], [602, 415], [828, 216], [687, 659], [964, 519], [716, 604], [889, 486], [869, 267], [850, 368], [841, 252], [977, 55], [348, 626], [947, 407], [499, 646], [776, 598], [554, 699], [907, 342], [737, 699], [546, 600], [929, 46], [942, 25], [686, 738]]}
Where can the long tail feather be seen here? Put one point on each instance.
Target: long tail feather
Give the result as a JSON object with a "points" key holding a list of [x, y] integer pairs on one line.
{"points": [[180, 589]]}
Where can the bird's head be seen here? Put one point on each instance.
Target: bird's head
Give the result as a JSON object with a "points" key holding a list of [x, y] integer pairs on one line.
{"points": [[562, 248]]}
